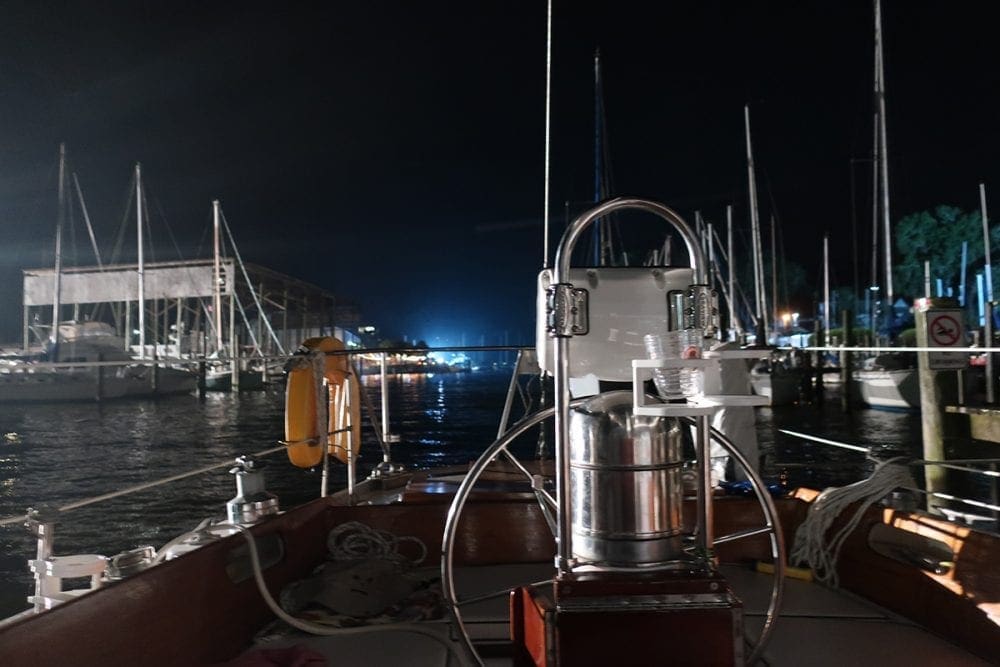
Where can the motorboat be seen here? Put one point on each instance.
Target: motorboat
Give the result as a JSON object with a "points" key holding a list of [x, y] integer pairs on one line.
{"points": [[617, 550]]}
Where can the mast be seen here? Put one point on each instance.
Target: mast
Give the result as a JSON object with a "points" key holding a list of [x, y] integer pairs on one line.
{"points": [[884, 155], [60, 221], [826, 289], [873, 285], [986, 242], [599, 231], [734, 326], [711, 255], [548, 132], [774, 273], [217, 276], [755, 233], [141, 268]]}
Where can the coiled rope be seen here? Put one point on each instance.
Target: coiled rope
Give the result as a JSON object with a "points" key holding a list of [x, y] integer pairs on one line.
{"points": [[323, 630], [811, 548], [354, 540]]}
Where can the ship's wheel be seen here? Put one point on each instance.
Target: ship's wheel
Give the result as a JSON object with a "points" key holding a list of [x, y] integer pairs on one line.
{"points": [[499, 448]]}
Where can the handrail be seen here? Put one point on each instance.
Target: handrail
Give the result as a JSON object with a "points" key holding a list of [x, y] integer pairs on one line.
{"points": [[916, 462], [972, 349], [22, 364], [141, 487]]}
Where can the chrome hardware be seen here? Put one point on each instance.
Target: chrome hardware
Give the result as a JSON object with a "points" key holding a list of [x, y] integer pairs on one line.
{"points": [[566, 311], [50, 570], [130, 562], [252, 502], [703, 302]]}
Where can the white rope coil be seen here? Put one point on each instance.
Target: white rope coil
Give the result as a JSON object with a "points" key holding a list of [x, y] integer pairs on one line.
{"points": [[354, 540], [811, 547]]}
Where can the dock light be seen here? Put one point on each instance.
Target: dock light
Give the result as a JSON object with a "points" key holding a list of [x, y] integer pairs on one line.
{"points": [[786, 318]]}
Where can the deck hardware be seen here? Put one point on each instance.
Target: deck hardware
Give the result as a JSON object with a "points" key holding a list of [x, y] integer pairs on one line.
{"points": [[253, 502], [566, 311], [50, 570]]}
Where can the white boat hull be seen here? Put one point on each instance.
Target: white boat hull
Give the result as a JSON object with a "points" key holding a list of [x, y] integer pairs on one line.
{"points": [[92, 384], [896, 389]]}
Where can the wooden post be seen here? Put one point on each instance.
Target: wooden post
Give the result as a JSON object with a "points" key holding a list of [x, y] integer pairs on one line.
{"points": [[201, 376], [24, 327], [100, 378], [128, 326], [154, 376], [234, 350], [938, 323], [846, 362], [988, 342]]}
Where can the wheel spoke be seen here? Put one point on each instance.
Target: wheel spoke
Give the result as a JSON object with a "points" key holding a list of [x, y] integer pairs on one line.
{"points": [[743, 534], [499, 593]]}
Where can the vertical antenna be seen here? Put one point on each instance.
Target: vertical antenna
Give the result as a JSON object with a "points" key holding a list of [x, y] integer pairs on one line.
{"points": [[548, 135], [598, 224]]}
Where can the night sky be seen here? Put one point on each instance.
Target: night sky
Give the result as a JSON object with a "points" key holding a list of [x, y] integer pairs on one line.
{"points": [[392, 152]]}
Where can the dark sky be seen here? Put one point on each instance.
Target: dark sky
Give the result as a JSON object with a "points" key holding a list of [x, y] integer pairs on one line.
{"points": [[392, 151]]}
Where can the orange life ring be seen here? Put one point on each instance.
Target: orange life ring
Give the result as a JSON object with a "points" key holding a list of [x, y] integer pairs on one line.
{"points": [[344, 408]]}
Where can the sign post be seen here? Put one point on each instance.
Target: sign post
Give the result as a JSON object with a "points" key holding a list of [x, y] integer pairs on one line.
{"points": [[939, 325], [944, 329]]}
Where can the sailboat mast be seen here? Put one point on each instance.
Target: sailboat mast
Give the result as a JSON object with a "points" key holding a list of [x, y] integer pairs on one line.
{"points": [[826, 289], [875, 191], [217, 276], [60, 221], [884, 155], [986, 242], [734, 326], [754, 227], [141, 267], [774, 272]]}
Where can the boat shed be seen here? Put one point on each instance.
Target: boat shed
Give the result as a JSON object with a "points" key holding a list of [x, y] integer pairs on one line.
{"points": [[255, 310]]}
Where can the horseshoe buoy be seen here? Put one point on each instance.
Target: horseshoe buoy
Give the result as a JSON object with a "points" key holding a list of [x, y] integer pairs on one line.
{"points": [[303, 393]]}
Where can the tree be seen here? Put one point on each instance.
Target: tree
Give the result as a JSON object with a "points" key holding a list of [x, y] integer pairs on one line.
{"points": [[936, 236]]}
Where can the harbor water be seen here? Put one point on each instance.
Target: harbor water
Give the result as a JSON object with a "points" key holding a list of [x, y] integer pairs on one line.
{"points": [[56, 454]]}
